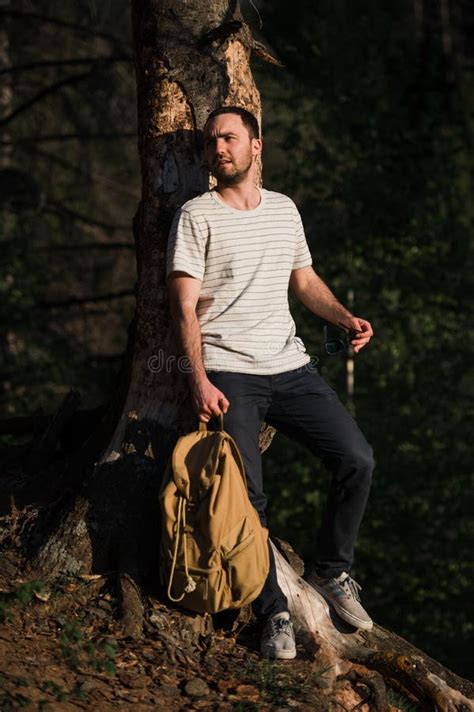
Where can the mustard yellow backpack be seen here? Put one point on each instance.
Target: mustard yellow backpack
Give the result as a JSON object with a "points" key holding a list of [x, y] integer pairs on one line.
{"points": [[214, 550]]}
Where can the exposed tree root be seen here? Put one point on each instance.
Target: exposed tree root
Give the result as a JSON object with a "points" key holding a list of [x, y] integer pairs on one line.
{"points": [[373, 682], [414, 674], [14, 525], [132, 607]]}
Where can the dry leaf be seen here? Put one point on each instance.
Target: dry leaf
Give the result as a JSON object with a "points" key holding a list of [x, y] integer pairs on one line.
{"points": [[250, 693], [226, 685], [124, 665], [43, 596], [70, 587], [90, 577]]}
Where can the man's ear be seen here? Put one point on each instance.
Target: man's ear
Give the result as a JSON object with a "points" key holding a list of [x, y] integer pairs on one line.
{"points": [[256, 146]]}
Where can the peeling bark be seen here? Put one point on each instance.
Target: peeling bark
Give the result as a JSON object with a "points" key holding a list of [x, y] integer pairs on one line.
{"points": [[190, 58]]}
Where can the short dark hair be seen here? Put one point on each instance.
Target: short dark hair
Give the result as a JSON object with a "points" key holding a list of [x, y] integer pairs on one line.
{"points": [[248, 119]]}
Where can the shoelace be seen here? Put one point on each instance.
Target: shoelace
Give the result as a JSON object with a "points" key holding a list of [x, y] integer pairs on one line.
{"points": [[281, 625], [351, 587]]}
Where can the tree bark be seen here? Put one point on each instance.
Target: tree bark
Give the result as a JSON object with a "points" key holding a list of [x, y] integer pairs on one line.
{"points": [[6, 92], [182, 74], [191, 57]]}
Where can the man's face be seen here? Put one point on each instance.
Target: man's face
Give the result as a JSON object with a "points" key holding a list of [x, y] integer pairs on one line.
{"points": [[228, 149]]}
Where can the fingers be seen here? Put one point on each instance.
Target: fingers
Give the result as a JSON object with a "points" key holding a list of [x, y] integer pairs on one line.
{"points": [[362, 336], [358, 345], [216, 404], [351, 324], [360, 332], [220, 406], [366, 327], [224, 404]]}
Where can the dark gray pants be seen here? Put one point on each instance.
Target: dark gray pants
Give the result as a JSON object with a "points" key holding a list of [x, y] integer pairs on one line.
{"points": [[302, 406]]}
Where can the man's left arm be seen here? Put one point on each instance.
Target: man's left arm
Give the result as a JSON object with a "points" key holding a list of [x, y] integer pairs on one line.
{"points": [[318, 298]]}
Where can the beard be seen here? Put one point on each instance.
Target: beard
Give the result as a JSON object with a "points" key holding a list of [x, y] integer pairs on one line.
{"points": [[228, 176]]}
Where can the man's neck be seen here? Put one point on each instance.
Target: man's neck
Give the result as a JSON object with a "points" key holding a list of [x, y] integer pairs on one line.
{"points": [[243, 196]]}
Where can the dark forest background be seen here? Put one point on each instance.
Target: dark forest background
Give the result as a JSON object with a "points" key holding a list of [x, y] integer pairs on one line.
{"points": [[369, 127]]}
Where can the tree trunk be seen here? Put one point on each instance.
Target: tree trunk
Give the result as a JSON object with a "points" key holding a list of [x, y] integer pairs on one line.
{"points": [[190, 57], [6, 93]]}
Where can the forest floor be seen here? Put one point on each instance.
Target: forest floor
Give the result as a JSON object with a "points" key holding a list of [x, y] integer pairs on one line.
{"points": [[63, 648]]}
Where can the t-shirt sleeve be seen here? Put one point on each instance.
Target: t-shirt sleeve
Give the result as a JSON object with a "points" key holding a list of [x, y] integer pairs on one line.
{"points": [[186, 246], [302, 256]]}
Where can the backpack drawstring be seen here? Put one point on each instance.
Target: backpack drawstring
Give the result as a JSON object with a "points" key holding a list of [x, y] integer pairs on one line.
{"points": [[181, 520]]}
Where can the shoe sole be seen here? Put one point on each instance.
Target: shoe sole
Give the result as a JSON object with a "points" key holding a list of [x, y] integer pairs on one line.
{"points": [[342, 613], [281, 655]]}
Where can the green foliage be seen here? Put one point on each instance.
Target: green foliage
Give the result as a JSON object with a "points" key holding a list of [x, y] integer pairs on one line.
{"points": [[5, 613], [99, 654], [25, 593], [276, 683], [400, 702], [369, 136], [245, 707], [71, 642], [266, 676], [10, 701], [19, 283], [21, 596], [56, 690], [68, 195], [40, 358]]}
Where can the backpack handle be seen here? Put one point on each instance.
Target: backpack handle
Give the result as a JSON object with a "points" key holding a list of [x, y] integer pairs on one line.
{"points": [[203, 426], [237, 454]]}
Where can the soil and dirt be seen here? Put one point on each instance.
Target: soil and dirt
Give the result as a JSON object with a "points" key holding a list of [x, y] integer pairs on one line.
{"points": [[63, 649], [63, 646]]}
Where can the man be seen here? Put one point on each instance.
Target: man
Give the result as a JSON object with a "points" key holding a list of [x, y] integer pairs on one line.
{"points": [[233, 252]]}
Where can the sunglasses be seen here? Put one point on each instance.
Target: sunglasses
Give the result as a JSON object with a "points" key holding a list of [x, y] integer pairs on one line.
{"points": [[336, 340]]}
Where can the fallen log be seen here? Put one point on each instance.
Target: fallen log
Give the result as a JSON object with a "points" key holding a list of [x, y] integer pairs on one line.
{"points": [[399, 662]]}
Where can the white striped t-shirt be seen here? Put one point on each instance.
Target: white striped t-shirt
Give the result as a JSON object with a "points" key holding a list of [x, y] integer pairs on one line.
{"points": [[244, 259]]}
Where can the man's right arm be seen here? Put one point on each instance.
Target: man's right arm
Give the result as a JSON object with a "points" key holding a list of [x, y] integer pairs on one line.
{"points": [[184, 294]]}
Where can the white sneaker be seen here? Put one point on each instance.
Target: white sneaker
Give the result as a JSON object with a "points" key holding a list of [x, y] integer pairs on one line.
{"points": [[343, 594], [278, 638]]}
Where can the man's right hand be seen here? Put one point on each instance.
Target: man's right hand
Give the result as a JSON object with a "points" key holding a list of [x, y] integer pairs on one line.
{"points": [[208, 400]]}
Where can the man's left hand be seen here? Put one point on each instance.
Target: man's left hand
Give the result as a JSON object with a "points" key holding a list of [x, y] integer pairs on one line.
{"points": [[363, 332]]}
